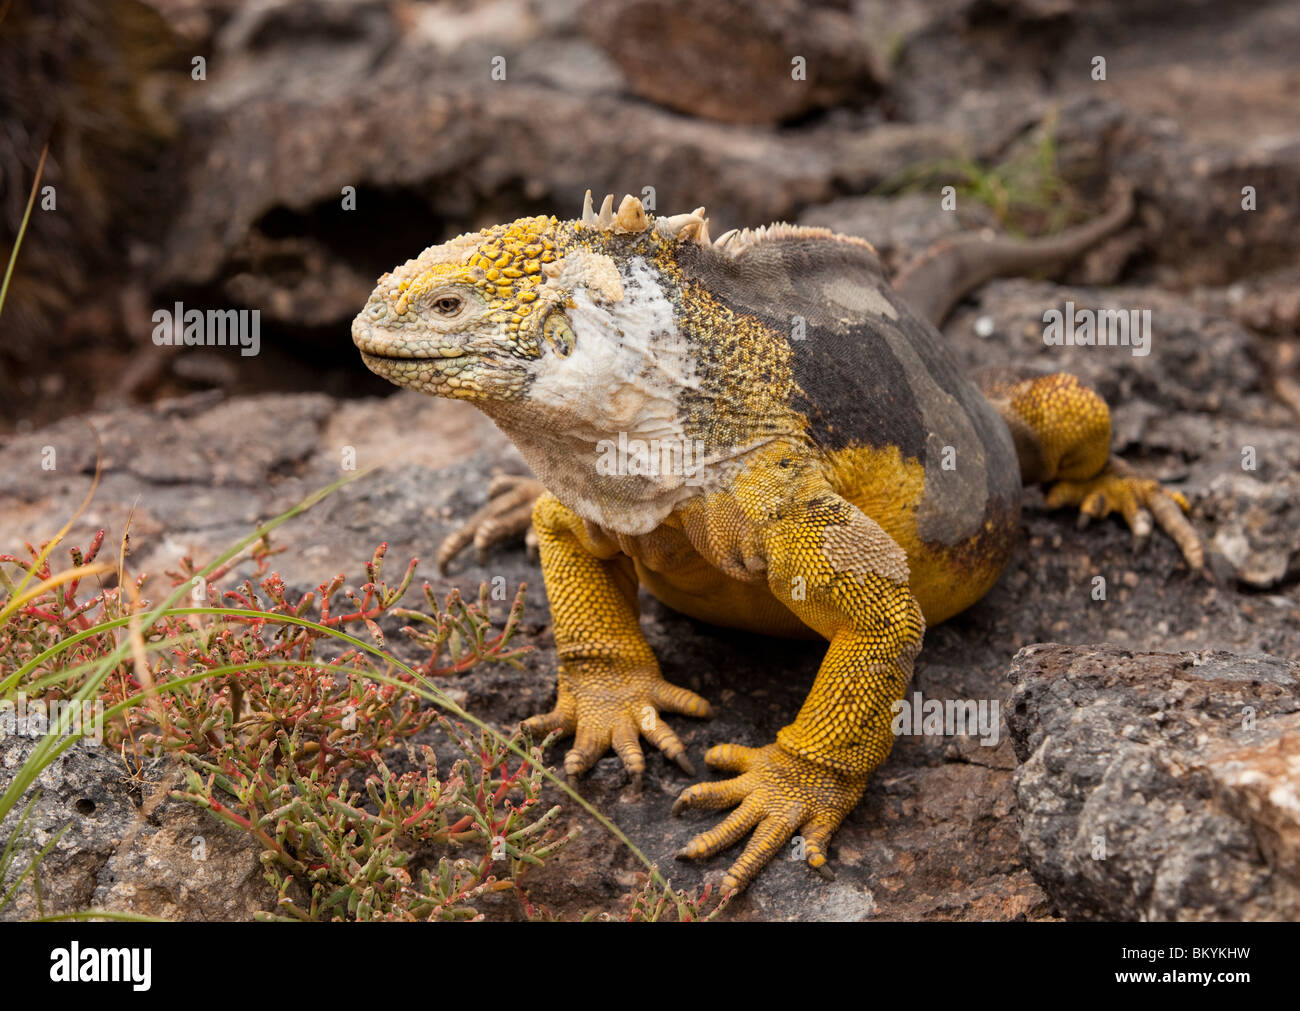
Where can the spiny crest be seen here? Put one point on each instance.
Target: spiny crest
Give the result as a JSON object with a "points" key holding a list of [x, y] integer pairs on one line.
{"points": [[736, 241], [631, 218]]}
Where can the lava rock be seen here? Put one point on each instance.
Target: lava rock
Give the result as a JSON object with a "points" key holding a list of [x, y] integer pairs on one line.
{"points": [[1158, 786]]}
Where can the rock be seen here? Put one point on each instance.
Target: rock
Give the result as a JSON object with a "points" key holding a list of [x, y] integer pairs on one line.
{"points": [[88, 790], [736, 62], [1258, 526], [1190, 365], [185, 865], [129, 847], [1194, 107], [1268, 302], [1261, 783], [1158, 786], [101, 71], [900, 227]]}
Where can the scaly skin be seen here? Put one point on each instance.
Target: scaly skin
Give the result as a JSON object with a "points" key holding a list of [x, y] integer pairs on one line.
{"points": [[931, 283], [852, 483], [1062, 431], [610, 690]]}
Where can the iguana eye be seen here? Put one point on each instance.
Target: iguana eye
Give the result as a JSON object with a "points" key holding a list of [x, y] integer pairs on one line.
{"points": [[448, 305]]}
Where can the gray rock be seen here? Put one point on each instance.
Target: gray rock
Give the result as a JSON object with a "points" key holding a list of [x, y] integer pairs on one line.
{"points": [[1158, 786], [1258, 526], [733, 61], [128, 846], [89, 791]]}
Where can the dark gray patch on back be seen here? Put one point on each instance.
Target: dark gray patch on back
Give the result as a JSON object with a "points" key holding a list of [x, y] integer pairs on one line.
{"points": [[878, 378], [851, 387]]}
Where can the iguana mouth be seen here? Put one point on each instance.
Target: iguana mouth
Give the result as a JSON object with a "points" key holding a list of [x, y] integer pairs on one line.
{"points": [[457, 353], [390, 347]]}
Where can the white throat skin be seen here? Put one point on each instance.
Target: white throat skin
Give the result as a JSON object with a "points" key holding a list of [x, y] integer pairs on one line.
{"points": [[624, 378]]}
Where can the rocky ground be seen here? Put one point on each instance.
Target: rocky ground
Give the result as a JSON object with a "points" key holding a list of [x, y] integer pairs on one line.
{"points": [[1127, 722]]}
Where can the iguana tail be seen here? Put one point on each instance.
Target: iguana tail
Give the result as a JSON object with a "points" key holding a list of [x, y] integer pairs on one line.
{"points": [[936, 280]]}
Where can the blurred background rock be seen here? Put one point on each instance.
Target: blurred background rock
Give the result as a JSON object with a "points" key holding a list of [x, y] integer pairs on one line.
{"points": [[226, 191]]}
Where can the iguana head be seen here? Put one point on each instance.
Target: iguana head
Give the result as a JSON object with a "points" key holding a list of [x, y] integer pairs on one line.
{"points": [[484, 315], [579, 337]]}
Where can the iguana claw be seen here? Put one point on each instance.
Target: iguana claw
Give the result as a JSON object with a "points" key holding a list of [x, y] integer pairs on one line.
{"points": [[507, 514], [779, 794], [617, 714], [1138, 500]]}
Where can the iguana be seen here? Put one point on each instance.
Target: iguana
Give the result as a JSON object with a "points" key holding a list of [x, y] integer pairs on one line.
{"points": [[824, 469]]}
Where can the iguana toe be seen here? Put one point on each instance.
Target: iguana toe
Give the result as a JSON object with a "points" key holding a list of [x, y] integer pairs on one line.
{"points": [[1138, 500], [779, 794], [617, 716], [507, 514], [541, 725]]}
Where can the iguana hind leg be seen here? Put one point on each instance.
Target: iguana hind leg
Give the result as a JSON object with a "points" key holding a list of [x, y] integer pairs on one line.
{"points": [[1061, 429]]}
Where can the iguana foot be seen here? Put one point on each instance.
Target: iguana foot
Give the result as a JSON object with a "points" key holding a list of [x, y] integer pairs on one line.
{"points": [[508, 513], [616, 713], [1138, 499], [779, 793]]}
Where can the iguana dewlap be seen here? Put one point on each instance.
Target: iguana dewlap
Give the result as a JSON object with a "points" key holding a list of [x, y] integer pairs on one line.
{"points": [[824, 468]]}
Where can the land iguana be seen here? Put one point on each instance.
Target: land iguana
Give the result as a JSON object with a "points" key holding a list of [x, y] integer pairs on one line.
{"points": [[817, 465]]}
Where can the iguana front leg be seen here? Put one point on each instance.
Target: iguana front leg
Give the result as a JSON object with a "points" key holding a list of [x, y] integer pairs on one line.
{"points": [[847, 579], [610, 691]]}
